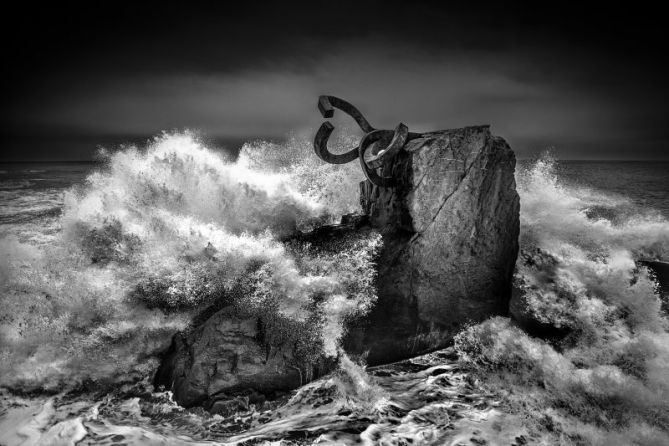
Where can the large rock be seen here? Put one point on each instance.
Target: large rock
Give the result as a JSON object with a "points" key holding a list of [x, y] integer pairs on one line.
{"points": [[450, 233]]}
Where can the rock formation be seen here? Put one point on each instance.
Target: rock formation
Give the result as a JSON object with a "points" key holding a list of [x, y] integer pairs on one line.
{"points": [[450, 241], [223, 355], [450, 231]]}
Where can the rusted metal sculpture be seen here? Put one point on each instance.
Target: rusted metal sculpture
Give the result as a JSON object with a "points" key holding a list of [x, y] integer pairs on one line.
{"points": [[393, 140]]}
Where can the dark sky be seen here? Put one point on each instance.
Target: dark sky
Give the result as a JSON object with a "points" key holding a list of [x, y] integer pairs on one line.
{"points": [[588, 81]]}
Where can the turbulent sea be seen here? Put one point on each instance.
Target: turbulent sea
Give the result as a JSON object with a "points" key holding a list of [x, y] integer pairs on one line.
{"points": [[102, 263]]}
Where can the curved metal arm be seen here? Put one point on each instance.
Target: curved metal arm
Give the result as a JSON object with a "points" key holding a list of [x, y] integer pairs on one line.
{"points": [[321, 147], [395, 140], [326, 105], [365, 144], [396, 144]]}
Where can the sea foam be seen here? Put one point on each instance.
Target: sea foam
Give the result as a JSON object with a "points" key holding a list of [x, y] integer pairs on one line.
{"points": [[159, 234], [605, 381]]}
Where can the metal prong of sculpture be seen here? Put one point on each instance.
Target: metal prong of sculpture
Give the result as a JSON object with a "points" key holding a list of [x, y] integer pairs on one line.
{"points": [[370, 162], [375, 161]]}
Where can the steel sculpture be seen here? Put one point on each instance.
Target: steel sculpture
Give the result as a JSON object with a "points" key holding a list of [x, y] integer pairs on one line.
{"points": [[372, 158]]}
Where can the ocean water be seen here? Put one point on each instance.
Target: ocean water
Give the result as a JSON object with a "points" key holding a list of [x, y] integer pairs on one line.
{"points": [[102, 262], [31, 196]]}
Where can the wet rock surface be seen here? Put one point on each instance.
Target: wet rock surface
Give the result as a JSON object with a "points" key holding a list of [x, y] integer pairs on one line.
{"points": [[450, 232], [229, 358]]}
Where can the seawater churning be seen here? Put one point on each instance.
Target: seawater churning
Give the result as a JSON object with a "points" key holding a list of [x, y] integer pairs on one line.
{"points": [[372, 157]]}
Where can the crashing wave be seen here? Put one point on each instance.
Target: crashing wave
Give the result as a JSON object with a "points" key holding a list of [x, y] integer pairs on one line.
{"points": [[160, 234], [604, 379]]}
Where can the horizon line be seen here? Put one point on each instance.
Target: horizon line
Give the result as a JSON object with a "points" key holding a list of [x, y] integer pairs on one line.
{"points": [[91, 161]]}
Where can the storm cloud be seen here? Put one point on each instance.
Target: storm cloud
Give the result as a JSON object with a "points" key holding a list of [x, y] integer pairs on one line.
{"points": [[589, 89]]}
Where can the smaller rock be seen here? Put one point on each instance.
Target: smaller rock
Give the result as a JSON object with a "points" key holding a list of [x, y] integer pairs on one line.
{"points": [[233, 352], [659, 271], [229, 407], [536, 267], [257, 399]]}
